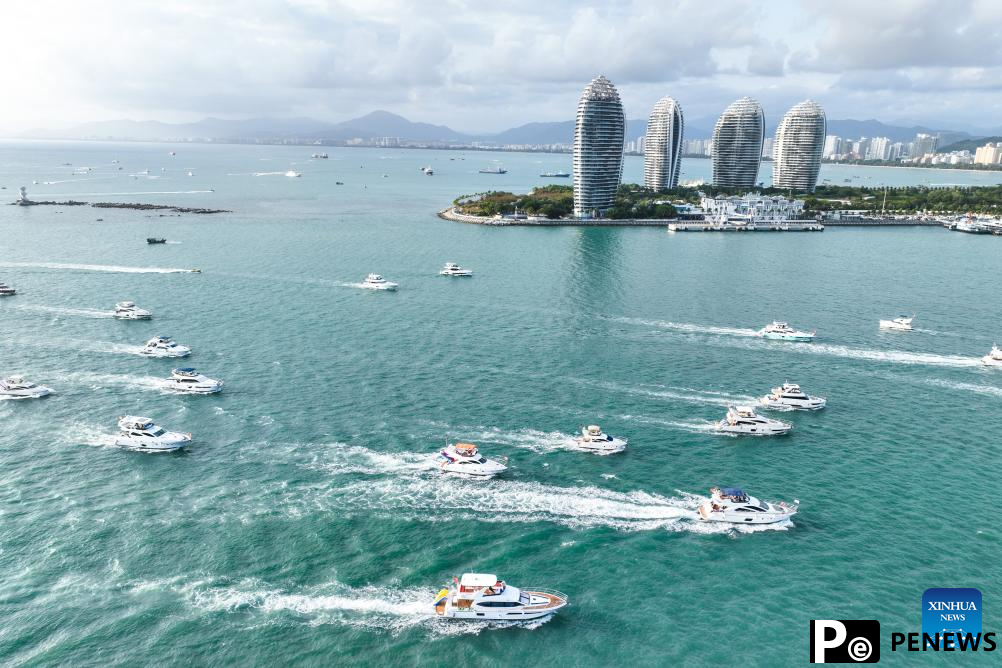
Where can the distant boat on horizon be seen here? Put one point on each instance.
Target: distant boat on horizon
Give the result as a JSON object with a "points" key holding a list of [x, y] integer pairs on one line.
{"points": [[555, 175], [494, 170]]}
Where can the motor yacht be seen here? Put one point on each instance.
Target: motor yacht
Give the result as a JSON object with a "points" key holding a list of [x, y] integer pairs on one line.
{"points": [[744, 420], [17, 387], [781, 331], [377, 282], [293, 174], [6, 290], [731, 504], [482, 596], [428, 171], [164, 346], [902, 323], [593, 439], [453, 269], [190, 381], [129, 311], [140, 433], [156, 240], [465, 458], [790, 397], [994, 356]]}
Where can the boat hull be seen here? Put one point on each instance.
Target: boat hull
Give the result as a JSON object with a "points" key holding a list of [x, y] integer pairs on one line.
{"points": [[763, 430], [34, 393], [153, 444], [802, 338], [600, 447], [812, 404]]}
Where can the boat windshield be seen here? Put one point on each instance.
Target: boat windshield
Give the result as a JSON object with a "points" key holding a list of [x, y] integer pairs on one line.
{"points": [[159, 431]]}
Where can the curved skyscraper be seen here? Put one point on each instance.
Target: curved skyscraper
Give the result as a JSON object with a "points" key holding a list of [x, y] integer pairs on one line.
{"points": [[663, 145], [598, 148], [737, 144], [800, 139]]}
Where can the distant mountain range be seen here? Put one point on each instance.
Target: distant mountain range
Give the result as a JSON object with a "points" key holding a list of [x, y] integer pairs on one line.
{"points": [[386, 124]]}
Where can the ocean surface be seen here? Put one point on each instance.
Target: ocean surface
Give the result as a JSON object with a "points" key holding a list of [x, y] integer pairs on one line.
{"points": [[304, 526]]}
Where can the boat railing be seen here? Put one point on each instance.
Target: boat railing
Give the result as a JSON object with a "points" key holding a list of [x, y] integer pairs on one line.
{"points": [[552, 593]]}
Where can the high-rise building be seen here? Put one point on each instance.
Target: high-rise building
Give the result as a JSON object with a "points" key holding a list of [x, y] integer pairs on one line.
{"points": [[598, 148], [767, 147], [923, 144], [800, 139], [663, 148], [833, 147], [989, 154], [879, 149], [737, 144]]}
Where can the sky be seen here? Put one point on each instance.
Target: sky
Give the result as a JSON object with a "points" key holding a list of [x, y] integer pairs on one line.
{"points": [[484, 66]]}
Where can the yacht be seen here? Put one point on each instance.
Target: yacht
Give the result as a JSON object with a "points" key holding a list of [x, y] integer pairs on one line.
{"points": [[377, 282], [155, 240], [790, 397], [129, 311], [17, 387], [164, 346], [453, 269], [555, 175], [731, 504], [482, 596], [465, 458], [744, 420], [293, 174], [6, 290], [902, 323], [994, 357], [781, 331], [140, 433], [494, 170], [190, 381], [428, 171], [593, 439]]}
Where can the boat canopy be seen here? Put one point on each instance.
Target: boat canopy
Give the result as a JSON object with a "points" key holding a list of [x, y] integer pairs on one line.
{"points": [[466, 449], [185, 371], [732, 491], [478, 579]]}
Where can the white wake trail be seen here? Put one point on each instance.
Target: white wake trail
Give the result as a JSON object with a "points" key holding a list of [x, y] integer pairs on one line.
{"points": [[97, 267]]}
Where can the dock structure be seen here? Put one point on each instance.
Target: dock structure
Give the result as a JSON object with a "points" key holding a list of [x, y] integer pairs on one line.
{"points": [[788, 226]]}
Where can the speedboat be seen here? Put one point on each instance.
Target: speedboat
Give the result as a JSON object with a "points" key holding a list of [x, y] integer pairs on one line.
{"points": [[17, 387], [129, 311], [465, 458], [482, 596], [377, 282], [731, 504], [6, 290], [292, 174], [593, 439], [781, 331], [188, 380], [994, 357], [902, 323], [428, 171], [744, 420], [140, 433], [164, 346], [155, 240], [453, 269], [790, 397]]}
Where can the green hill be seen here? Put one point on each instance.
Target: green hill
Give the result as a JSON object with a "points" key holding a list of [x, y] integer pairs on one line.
{"points": [[968, 144]]}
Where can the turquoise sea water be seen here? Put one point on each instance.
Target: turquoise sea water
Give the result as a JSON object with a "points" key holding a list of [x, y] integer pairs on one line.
{"points": [[302, 526]]}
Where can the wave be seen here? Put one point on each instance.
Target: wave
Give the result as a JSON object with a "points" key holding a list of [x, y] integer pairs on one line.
{"points": [[137, 192], [97, 267], [990, 390], [97, 380], [686, 394], [686, 326], [894, 356], [696, 427], [342, 458], [60, 310], [373, 608], [529, 439]]}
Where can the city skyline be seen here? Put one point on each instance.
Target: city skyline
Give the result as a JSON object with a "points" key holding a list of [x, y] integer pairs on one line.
{"points": [[474, 67]]}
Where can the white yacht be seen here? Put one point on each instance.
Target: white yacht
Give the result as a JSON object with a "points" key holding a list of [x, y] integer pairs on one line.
{"points": [[293, 174], [428, 171], [129, 311], [994, 356], [453, 269], [902, 323], [377, 282], [17, 387], [6, 290], [140, 433], [781, 331], [190, 381], [465, 458], [744, 420], [482, 596], [593, 439], [731, 504], [790, 397], [164, 346]]}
